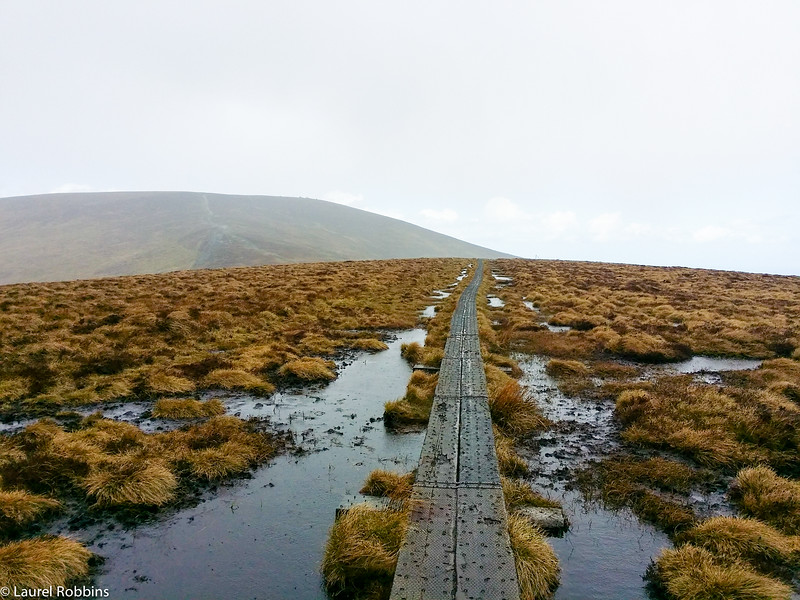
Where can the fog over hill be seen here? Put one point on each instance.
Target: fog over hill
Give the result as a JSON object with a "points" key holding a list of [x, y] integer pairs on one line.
{"points": [[83, 235]]}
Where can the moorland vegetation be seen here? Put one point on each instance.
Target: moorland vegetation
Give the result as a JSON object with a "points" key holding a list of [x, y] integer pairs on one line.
{"points": [[600, 326], [68, 349]]}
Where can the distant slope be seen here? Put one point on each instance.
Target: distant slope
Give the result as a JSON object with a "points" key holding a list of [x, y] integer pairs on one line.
{"points": [[74, 236]]}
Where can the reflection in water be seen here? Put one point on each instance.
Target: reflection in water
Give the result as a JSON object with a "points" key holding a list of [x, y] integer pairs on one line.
{"points": [[604, 554], [264, 537]]}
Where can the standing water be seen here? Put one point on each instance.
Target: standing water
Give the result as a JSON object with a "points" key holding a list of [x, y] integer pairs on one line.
{"points": [[265, 537], [605, 553]]}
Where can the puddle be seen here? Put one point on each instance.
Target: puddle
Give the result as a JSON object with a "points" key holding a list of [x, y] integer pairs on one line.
{"points": [[706, 369], [495, 302], [501, 278], [556, 328], [428, 312], [605, 553], [711, 364], [264, 537]]}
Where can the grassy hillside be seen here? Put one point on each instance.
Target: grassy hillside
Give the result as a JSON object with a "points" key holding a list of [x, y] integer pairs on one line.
{"points": [[77, 236]]}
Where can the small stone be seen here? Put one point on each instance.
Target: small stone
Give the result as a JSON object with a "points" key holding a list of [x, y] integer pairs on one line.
{"points": [[552, 521]]}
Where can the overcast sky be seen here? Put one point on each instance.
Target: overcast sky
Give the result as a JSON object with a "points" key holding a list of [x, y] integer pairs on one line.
{"points": [[630, 131]]}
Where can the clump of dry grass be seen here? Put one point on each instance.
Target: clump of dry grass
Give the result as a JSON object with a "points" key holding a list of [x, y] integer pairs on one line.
{"points": [[647, 487], [369, 344], [509, 462], [388, 484], [94, 341], [692, 573], [187, 408], [222, 446], [235, 379], [557, 367], [572, 376], [362, 550], [512, 409], [537, 565], [42, 563], [160, 382], [412, 352], [517, 493], [18, 508], [723, 429], [308, 369], [759, 492], [742, 540], [415, 407], [131, 480]]}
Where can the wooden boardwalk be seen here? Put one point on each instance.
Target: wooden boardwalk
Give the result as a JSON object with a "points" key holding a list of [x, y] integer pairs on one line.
{"points": [[457, 545]]}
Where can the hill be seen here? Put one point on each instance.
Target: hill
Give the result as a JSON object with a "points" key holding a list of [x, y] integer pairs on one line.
{"points": [[84, 235]]}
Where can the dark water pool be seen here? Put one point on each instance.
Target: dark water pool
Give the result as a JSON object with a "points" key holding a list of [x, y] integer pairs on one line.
{"points": [[605, 553], [264, 537]]}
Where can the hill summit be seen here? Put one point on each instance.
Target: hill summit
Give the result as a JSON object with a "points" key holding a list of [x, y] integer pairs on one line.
{"points": [[84, 235]]}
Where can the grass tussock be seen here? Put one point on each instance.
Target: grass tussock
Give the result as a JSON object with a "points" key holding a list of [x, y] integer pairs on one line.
{"points": [[743, 540], [220, 447], [760, 493], [513, 410], [388, 484], [18, 508], [510, 463], [415, 407], [370, 345], [308, 369], [651, 488], [722, 429], [236, 379], [557, 367], [537, 565], [129, 479], [42, 563], [518, 493], [361, 552], [94, 341], [187, 408], [692, 573], [115, 464]]}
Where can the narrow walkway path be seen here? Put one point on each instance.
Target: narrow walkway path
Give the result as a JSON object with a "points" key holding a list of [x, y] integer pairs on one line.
{"points": [[457, 545]]}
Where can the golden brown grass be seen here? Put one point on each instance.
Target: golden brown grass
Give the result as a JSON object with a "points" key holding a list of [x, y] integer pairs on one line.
{"points": [[692, 573], [566, 368], [187, 408], [131, 480], [18, 507], [388, 484], [509, 462], [742, 540], [362, 550], [649, 313], [116, 464], [537, 564], [517, 493], [760, 493], [513, 410], [651, 488], [42, 563], [415, 407], [92, 341], [721, 429], [308, 369], [236, 379], [369, 344]]}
